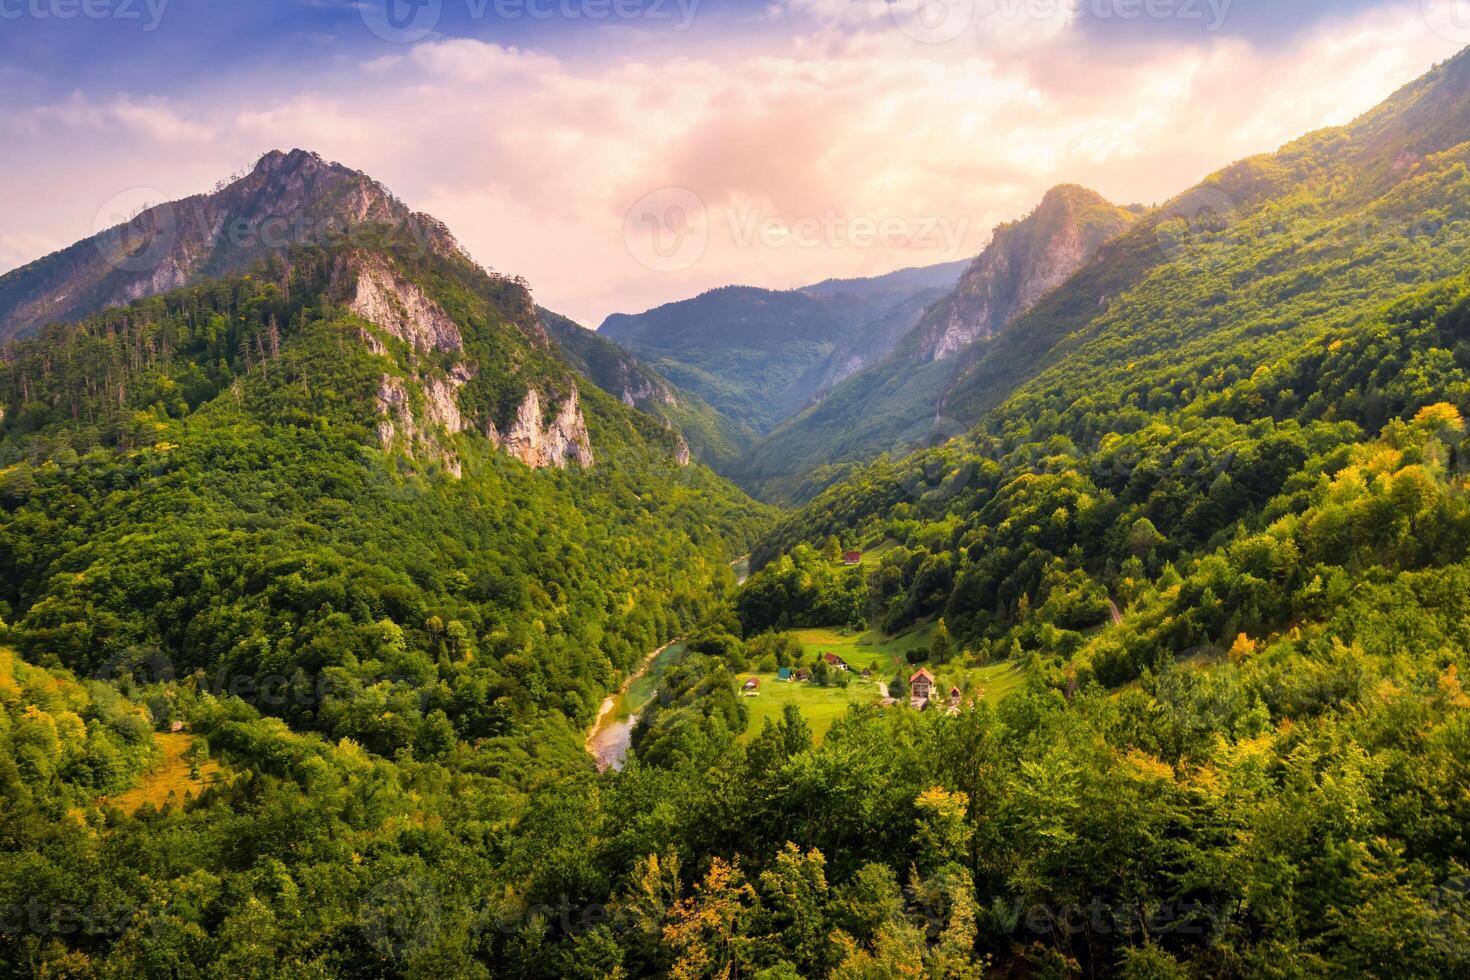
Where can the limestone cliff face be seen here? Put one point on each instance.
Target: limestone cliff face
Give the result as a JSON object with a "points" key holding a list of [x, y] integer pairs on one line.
{"points": [[1025, 260], [419, 412], [375, 291], [538, 445]]}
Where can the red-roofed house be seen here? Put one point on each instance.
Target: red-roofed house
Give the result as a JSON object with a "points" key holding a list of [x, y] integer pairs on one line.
{"points": [[921, 685]]}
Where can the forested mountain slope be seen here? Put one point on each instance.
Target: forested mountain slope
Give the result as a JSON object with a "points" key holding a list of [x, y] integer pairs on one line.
{"points": [[1238, 356], [760, 355], [898, 403], [365, 473], [709, 436]]}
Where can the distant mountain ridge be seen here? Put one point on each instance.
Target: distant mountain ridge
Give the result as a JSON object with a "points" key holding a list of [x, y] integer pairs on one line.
{"points": [[760, 355], [287, 199], [898, 402]]}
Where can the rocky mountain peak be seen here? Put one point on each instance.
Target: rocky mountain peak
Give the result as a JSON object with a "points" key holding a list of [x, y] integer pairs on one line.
{"points": [[288, 198], [1024, 261]]}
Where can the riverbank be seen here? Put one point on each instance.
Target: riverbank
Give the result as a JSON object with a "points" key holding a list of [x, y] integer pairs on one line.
{"points": [[611, 735]]}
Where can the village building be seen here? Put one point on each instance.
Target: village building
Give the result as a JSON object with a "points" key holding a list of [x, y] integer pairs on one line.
{"points": [[921, 687], [852, 558], [803, 674], [784, 674], [753, 684], [835, 661]]}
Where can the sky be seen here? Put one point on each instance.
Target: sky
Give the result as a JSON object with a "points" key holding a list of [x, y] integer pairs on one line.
{"points": [[620, 154]]}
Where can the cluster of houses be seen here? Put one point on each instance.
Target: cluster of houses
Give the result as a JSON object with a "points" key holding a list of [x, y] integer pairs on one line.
{"points": [[789, 675], [924, 691]]}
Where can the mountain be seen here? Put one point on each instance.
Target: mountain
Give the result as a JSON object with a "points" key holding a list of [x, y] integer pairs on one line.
{"points": [[708, 436], [897, 403], [327, 468], [1188, 388], [287, 199], [1372, 206], [759, 355], [1024, 261]]}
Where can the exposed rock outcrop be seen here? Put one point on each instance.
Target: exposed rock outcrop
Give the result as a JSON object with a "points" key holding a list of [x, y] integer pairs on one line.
{"points": [[375, 291], [538, 445], [1025, 260], [286, 200]]}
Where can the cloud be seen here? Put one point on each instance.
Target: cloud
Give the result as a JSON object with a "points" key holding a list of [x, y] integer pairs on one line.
{"points": [[795, 138], [159, 120]]}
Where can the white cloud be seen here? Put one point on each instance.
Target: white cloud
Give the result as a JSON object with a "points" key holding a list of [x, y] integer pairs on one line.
{"points": [[534, 159]]}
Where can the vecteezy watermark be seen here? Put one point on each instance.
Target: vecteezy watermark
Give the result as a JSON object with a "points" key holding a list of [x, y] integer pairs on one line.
{"points": [[940, 21], [833, 229], [933, 476], [1195, 218], [148, 13], [1184, 918], [400, 917], [410, 21], [669, 230], [39, 918], [1450, 19], [133, 232]]}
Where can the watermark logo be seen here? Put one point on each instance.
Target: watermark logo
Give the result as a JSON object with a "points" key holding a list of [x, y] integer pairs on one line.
{"points": [[934, 21], [147, 13], [400, 917], [1194, 220], [143, 665], [668, 230], [1450, 19], [401, 21], [133, 232], [933, 477]]}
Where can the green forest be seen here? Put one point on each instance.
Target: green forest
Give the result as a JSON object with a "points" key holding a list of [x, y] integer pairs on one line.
{"points": [[318, 581]]}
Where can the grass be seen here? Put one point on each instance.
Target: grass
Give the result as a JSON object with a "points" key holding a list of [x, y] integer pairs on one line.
{"points": [[170, 780], [871, 555], [885, 656], [820, 706]]}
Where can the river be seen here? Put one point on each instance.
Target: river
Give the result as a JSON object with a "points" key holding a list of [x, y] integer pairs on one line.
{"points": [[612, 734]]}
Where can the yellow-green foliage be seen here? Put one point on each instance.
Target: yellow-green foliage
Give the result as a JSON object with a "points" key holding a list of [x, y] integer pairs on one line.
{"points": [[63, 741]]}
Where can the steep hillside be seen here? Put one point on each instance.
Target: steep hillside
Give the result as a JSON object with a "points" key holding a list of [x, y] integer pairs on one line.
{"points": [[709, 436], [1188, 396], [759, 355], [364, 472], [1321, 231], [287, 199], [899, 402]]}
